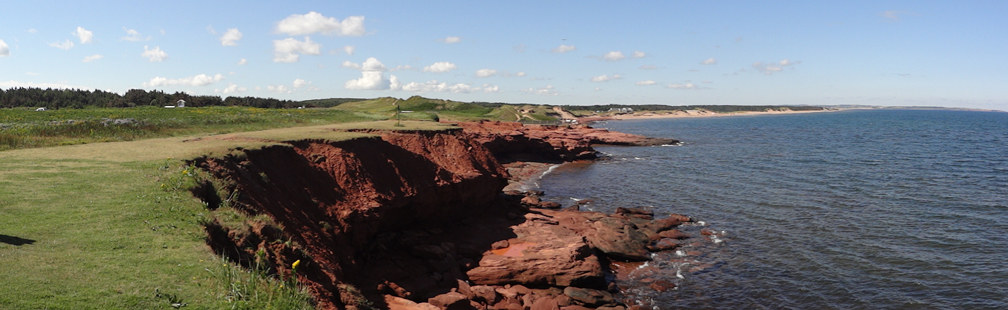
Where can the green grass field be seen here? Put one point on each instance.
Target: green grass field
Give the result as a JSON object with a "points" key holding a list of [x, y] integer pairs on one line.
{"points": [[27, 128], [112, 225]]}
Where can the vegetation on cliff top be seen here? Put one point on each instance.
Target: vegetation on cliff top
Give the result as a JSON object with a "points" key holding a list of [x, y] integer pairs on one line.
{"points": [[114, 226]]}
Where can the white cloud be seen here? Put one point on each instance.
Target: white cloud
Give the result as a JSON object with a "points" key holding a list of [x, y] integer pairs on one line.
{"points": [[298, 83], [209, 28], [154, 55], [520, 73], [351, 65], [605, 78], [439, 67], [372, 76], [402, 67], [648, 82], [349, 49], [563, 49], [287, 50], [4, 49], [314, 22], [435, 86], [62, 45], [545, 91], [709, 61], [638, 54], [242, 62], [482, 73], [487, 88], [370, 80], [231, 37], [32, 30], [450, 40], [278, 89], [686, 85], [613, 56], [84, 35], [771, 68], [92, 58], [134, 36], [198, 80], [232, 88]]}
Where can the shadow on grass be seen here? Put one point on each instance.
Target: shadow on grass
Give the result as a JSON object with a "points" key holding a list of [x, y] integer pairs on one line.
{"points": [[12, 240]]}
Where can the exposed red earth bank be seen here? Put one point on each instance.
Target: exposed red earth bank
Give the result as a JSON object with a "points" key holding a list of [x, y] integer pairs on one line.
{"points": [[418, 220]]}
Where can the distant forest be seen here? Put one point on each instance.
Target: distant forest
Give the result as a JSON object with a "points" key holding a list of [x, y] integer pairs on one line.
{"points": [[75, 98]]}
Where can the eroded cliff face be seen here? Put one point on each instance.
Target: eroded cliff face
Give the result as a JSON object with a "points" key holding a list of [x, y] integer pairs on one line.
{"points": [[333, 198], [511, 141], [417, 220]]}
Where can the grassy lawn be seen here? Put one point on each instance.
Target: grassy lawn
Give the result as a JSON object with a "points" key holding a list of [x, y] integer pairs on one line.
{"points": [[113, 226], [26, 128]]}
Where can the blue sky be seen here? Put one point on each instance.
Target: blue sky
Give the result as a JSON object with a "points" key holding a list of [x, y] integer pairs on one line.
{"points": [[893, 53]]}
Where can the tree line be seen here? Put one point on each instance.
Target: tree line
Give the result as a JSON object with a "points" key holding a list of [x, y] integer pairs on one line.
{"points": [[77, 99]]}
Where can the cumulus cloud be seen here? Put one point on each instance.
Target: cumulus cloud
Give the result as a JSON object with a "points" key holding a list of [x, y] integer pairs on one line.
{"points": [[65, 45], [154, 55], [648, 82], [92, 58], [771, 68], [349, 49], [278, 89], [563, 49], [4, 49], [287, 50], [545, 91], [638, 54], [314, 22], [242, 62], [435, 86], [134, 36], [613, 56], [84, 35], [232, 89], [487, 88], [709, 61], [482, 73], [231, 37], [372, 76], [298, 83], [606, 78], [439, 67], [683, 86], [370, 80], [198, 80], [450, 40]]}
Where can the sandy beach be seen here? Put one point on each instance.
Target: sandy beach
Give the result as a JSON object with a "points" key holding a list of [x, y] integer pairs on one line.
{"points": [[702, 113]]}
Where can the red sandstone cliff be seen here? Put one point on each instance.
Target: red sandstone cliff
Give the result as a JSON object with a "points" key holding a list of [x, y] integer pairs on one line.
{"points": [[510, 141], [418, 219]]}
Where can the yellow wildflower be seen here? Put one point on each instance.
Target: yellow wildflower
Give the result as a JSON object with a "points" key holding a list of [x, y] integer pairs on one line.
{"points": [[296, 264]]}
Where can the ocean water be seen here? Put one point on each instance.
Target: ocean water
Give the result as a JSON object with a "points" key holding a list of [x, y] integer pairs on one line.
{"points": [[861, 209]]}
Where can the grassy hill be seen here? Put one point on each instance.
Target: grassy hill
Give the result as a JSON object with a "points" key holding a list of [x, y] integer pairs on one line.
{"points": [[112, 225]]}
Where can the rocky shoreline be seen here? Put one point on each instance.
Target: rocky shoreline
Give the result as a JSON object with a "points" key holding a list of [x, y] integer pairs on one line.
{"points": [[421, 220]]}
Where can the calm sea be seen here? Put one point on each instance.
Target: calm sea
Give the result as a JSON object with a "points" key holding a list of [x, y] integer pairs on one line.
{"points": [[846, 210]]}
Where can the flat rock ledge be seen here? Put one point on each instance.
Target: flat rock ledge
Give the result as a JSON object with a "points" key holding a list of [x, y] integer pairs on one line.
{"points": [[541, 259]]}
